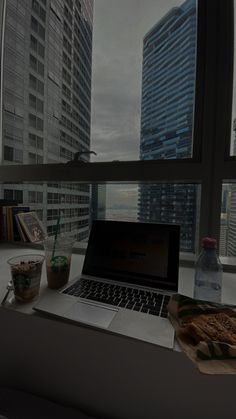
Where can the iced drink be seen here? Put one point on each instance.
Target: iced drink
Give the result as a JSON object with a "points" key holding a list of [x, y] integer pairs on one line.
{"points": [[26, 275], [58, 260]]}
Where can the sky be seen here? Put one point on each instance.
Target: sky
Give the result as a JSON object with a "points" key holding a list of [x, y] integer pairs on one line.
{"points": [[118, 31]]}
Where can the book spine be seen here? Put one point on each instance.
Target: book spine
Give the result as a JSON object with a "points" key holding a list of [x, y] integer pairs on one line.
{"points": [[4, 223], [21, 232]]}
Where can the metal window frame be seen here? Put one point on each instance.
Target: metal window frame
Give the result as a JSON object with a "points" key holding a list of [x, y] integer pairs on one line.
{"points": [[211, 163]]}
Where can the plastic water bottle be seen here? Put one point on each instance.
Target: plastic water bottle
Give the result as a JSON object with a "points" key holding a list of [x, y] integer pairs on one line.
{"points": [[208, 273]]}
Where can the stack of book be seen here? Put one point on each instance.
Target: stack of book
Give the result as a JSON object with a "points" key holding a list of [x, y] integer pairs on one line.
{"points": [[18, 223]]}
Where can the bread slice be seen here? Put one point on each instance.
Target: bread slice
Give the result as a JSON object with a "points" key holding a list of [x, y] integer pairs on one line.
{"points": [[212, 327]]}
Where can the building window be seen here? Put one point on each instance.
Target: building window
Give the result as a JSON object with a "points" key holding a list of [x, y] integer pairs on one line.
{"points": [[35, 158], [8, 153], [17, 195], [36, 46], [39, 10], [35, 122], [36, 141], [37, 28], [36, 84], [36, 65], [36, 103]]}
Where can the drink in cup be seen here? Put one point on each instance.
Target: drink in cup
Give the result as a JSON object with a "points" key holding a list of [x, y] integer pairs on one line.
{"points": [[26, 275], [58, 259]]}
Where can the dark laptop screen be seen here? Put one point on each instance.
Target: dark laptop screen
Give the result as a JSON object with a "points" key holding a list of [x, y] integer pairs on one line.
{"points": [[140, 253]]}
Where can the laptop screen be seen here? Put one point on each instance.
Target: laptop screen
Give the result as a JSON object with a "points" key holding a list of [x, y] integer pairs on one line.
{"points": [[141, 253]]}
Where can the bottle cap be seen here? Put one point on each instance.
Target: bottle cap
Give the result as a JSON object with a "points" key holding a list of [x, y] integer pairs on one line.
{"points": [[209, 243]]}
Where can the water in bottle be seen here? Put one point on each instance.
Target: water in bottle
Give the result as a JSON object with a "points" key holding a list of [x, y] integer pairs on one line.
{"points": [[208, 273]]}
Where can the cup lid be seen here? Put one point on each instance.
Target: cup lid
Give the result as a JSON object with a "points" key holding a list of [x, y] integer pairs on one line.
{"points": [[209, 243]]}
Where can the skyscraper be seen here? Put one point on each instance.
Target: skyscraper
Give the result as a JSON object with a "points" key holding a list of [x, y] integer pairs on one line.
{"points": [[168, 84], [231, 213], [46, 101], [98, 204]]}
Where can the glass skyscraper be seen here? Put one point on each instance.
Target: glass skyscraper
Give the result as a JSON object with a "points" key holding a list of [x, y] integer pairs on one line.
{"points": [[46, 60], [168, 85]]}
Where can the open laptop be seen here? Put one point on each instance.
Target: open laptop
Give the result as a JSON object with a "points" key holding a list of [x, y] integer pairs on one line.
{"points": [[130, 271]]}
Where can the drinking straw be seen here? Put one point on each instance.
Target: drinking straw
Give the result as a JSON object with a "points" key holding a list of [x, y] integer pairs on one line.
{"points": [[56, 233]]}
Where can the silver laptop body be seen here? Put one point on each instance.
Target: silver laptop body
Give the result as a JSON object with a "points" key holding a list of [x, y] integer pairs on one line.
{"points": [[130, 270]]}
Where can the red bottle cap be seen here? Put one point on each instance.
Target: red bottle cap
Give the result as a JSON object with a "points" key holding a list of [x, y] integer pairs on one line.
{"points": [[209, 243]]}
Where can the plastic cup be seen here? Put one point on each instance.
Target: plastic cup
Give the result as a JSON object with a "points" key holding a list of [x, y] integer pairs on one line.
{"points": [[26, 276], [58, 259]]}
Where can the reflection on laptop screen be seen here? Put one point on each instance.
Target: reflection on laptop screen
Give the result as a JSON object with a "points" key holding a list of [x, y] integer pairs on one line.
{"points": [[141, 253]]}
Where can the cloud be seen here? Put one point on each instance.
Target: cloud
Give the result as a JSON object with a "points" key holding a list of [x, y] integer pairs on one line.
{"points": [[119, 28], [121, 196]]}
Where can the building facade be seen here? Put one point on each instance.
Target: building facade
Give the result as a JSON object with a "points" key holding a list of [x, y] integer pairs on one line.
{"points": [[168, 91], [46, 101], [228, 211], [98, 203]]}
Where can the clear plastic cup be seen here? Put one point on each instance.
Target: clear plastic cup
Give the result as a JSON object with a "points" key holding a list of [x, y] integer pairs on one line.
{"points": [[58, 259], [26, 276]]}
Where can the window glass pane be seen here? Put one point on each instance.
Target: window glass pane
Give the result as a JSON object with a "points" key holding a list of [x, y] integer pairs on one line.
{"points": [[8, 153], [128, 74], [116, 77], [79, 204], [144, 84]]}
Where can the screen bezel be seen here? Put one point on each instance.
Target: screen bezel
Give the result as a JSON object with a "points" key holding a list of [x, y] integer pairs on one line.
{"points": [[170, 283]]}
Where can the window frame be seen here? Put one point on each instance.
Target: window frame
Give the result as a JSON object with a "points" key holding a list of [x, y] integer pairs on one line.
{"points": [[211, 163]]}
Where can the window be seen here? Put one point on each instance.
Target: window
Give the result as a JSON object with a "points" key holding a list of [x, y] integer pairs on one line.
{"points": [[66, 61], [37, 28], [36, 84], [37, 46], [14, 194], [35, 158], [67, 30], [67, 14], [66, 91], [39, 10], [8, 153], [67, 45], [36, 103], [35, 197], [13, 154], [35, 141], [157, 111], [35, 122], [66, 76], [36, 65]]}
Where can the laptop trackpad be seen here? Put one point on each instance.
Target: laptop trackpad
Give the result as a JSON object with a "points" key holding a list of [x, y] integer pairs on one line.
{"points": [[91, 314]]}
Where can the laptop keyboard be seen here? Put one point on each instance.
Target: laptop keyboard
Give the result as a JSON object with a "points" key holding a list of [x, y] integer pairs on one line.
{"points": [[120, 296]]}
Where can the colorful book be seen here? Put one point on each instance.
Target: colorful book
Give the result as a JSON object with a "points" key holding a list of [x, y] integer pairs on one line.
{"points": [[23, 237], [31, 226], [16, 231]]}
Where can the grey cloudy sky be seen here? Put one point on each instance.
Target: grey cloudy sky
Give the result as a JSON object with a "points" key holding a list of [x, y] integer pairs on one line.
{"points": [[119, 28]]}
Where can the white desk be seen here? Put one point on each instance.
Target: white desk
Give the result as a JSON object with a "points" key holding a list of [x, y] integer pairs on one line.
{"points": [[113, 376]]}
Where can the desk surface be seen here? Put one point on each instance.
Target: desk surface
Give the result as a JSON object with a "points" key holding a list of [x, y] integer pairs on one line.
{"points": [[110, 375], [186, 276]]}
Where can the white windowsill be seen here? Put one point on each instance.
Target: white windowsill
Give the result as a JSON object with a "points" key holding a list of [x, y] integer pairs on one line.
{"points": [[187, 260]]}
